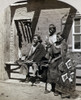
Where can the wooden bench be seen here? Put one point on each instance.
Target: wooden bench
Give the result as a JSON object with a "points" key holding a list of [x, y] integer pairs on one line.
{"points": [[8, 67]]}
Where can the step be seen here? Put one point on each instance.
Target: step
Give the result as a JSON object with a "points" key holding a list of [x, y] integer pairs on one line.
{"points": [[78, 74], [78, 81]]}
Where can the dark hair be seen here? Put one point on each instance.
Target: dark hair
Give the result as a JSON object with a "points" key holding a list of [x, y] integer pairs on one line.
{"points": [[54, 27], [39, 37]]}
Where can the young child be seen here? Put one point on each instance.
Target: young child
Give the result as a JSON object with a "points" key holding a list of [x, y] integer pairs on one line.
{"points": [[51, 39]]}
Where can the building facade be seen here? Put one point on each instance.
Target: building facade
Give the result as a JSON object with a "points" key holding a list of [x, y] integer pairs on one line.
{"points": [[22, 20]]}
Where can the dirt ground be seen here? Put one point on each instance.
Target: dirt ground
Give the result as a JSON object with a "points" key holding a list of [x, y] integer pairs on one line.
{"points": [[24, 91]]}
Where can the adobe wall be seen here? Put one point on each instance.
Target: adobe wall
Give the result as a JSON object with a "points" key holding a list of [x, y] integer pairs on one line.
{"points": [[4, 42]]}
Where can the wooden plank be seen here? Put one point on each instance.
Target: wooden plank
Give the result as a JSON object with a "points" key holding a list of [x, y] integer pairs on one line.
{"points": [[10, 62], [17, 76]]}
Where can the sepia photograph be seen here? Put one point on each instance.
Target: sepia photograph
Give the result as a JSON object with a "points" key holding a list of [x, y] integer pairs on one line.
{"points": [[40, 50]]}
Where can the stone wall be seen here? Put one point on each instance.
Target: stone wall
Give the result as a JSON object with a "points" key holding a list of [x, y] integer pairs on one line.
{"points": [[51, 16]]}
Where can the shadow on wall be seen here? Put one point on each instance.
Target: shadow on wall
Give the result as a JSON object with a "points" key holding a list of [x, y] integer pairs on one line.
{"points": [[38, 5]]}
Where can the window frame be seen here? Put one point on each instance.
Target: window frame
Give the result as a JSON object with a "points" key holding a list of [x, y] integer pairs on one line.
{"points": [[73, 34]]}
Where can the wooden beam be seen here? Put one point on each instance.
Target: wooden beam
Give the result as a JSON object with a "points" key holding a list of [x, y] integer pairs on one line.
{"points": [[18, 4]]}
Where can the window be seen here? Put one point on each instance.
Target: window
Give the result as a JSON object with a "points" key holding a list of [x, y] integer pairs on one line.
{"points": [[24, 31], [76, 35]]}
